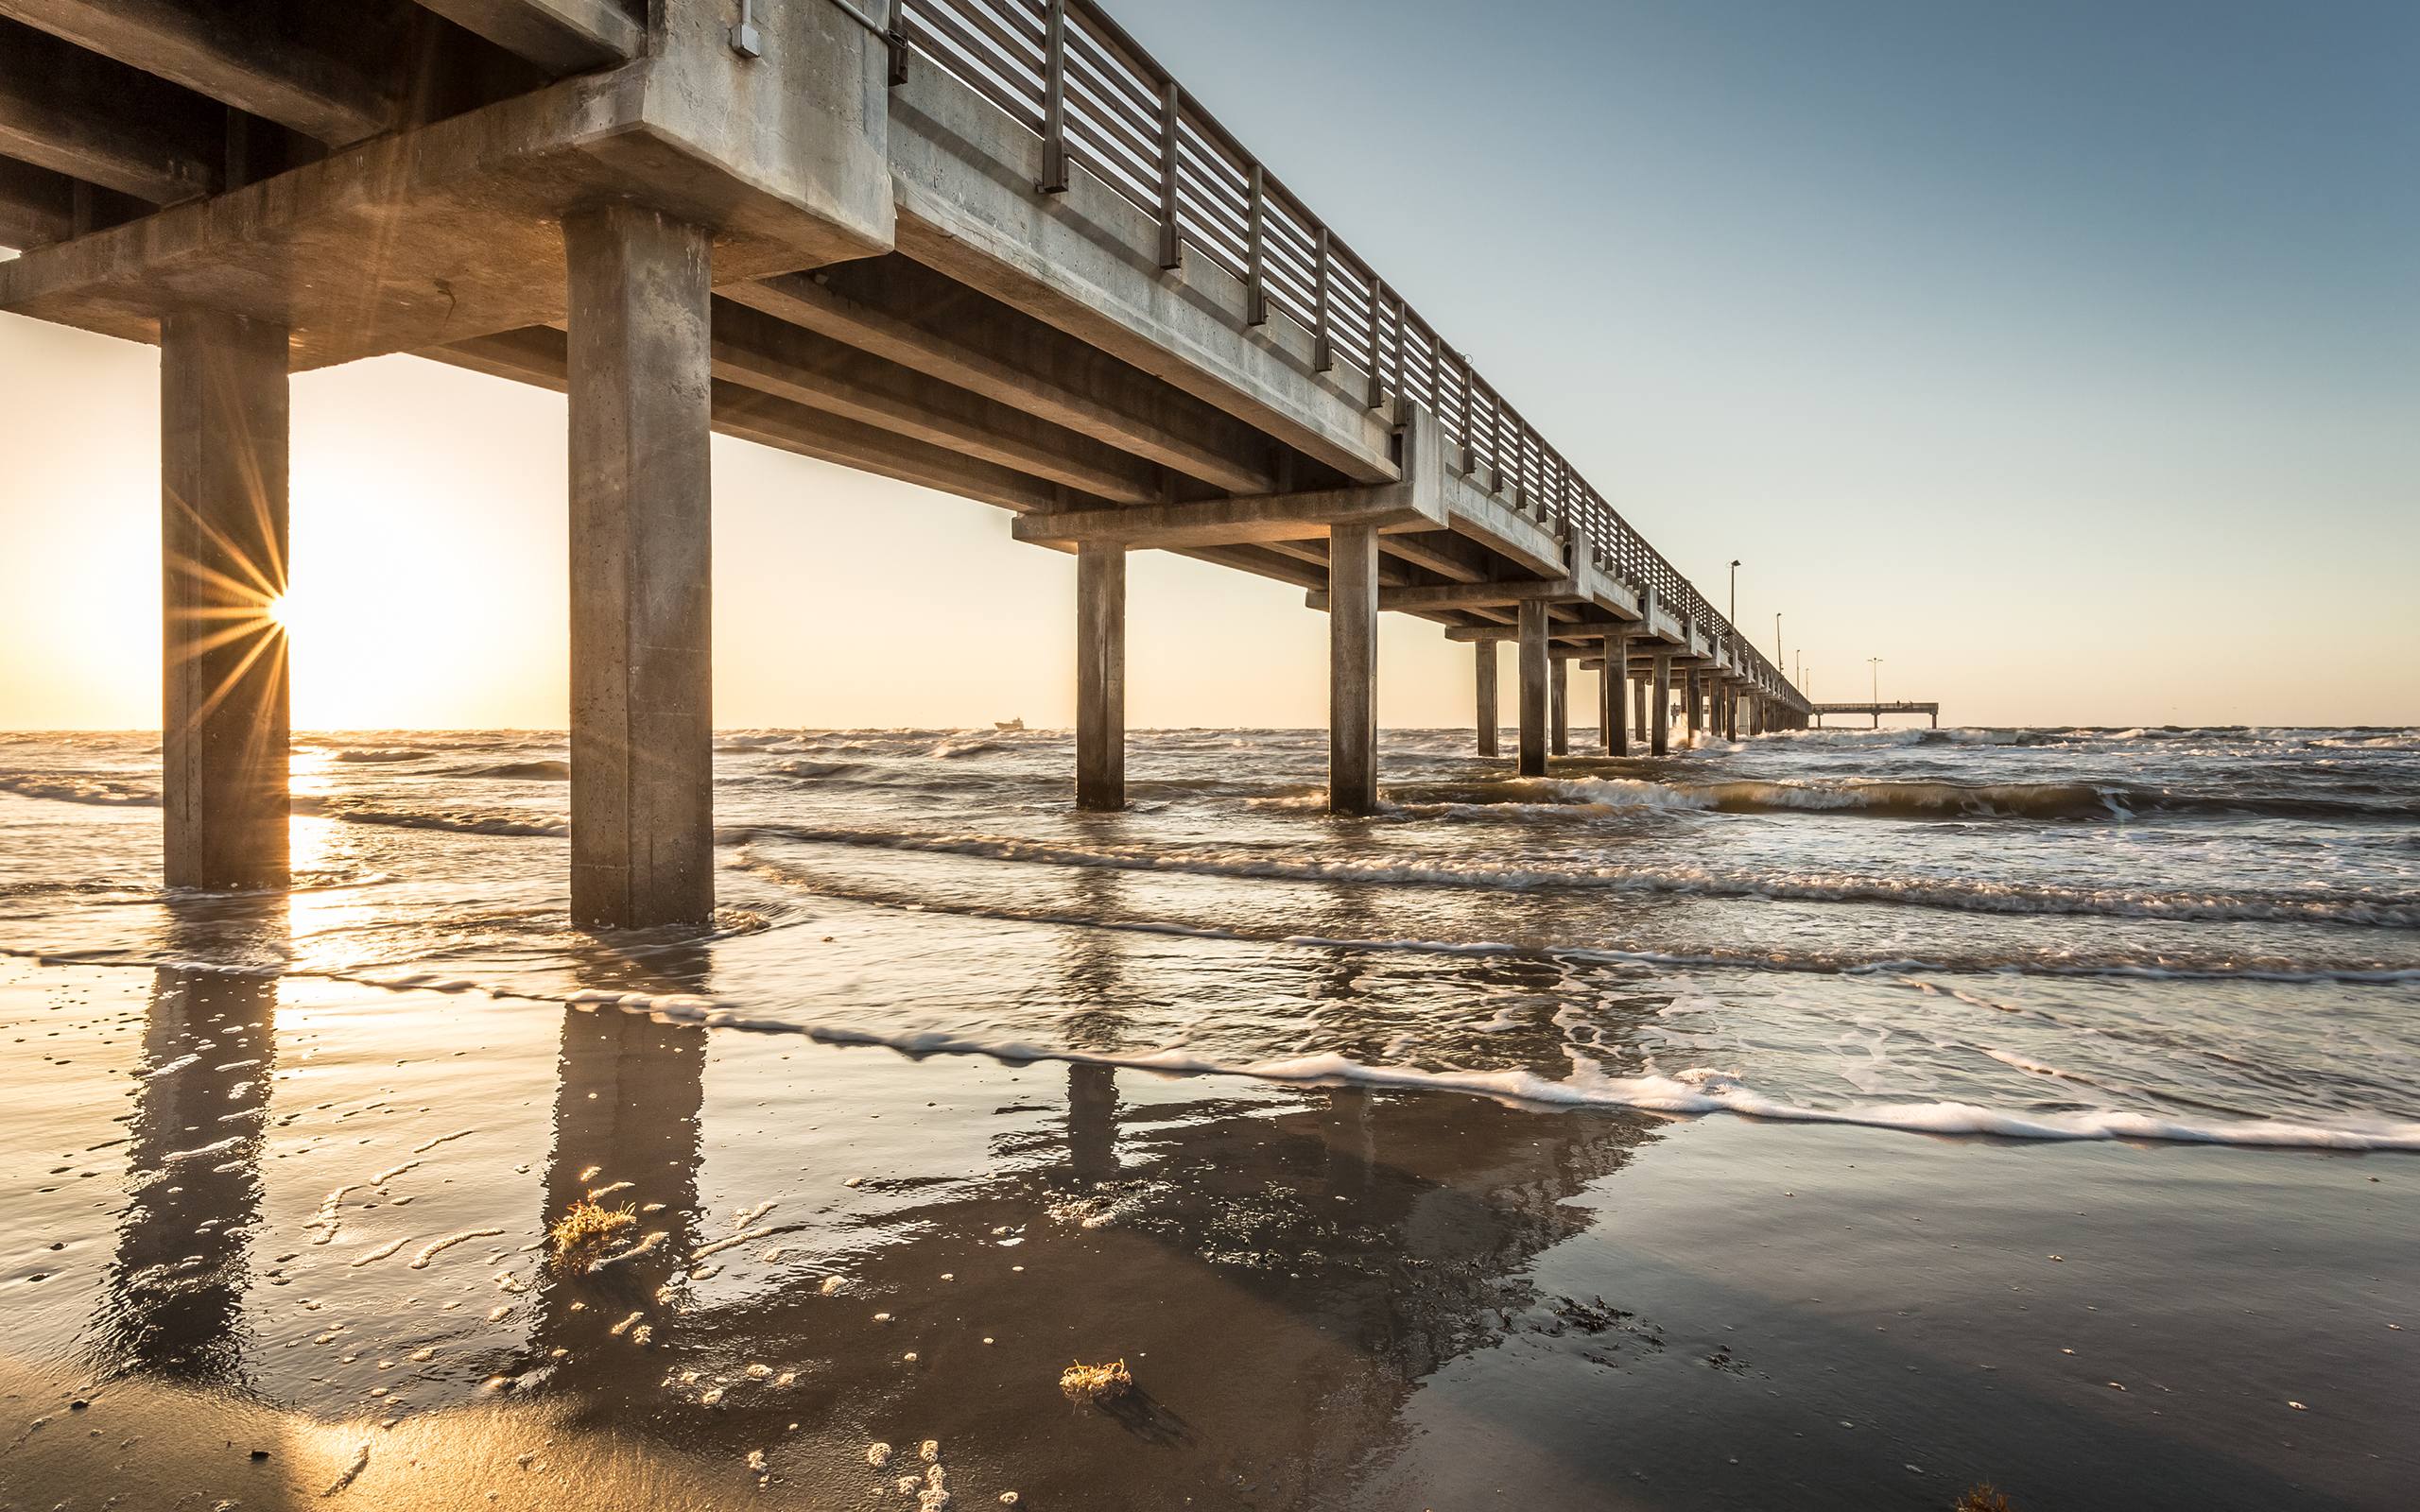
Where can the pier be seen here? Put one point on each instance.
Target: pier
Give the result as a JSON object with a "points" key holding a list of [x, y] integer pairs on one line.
{"points": [[989, 247], [1930, 711]]}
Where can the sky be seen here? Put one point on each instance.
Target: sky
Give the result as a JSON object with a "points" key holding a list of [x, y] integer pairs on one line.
{"points": [[2065, 356]]}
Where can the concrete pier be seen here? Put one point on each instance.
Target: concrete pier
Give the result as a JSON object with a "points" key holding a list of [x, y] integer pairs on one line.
{"points": [[1531, 629], [1693, 706], [1488, 714], [224, 711], [642, 669], [1559, 709], [1661, 704], [1612, 718], [1353, 669], [1638, 706], [1101, 676]]}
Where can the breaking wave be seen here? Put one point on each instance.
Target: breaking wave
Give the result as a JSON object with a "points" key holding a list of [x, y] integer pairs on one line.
{"points": [[1964, 894], [102, 791]]}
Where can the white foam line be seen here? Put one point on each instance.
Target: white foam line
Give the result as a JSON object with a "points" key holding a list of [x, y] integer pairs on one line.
{"points": [[1955, 893]]}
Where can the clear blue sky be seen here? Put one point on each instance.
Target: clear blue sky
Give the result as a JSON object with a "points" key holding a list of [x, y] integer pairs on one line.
{"points": [[2065, 355]]}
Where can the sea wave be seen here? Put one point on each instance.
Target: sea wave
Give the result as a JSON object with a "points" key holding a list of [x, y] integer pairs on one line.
{"points": [[2145, 966], [2400, 911], [550, 770], [105, 791]]}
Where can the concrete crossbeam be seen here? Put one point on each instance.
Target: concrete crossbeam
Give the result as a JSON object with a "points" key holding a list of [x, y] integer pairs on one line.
{"points": [[88, 117], [37, 206], [759, 352], [1015, 361], [559, 36]]}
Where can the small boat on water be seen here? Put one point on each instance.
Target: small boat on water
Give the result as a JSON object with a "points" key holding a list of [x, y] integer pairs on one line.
{"points": [[1008, 724]]}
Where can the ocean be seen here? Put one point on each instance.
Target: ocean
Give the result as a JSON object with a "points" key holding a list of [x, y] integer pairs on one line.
{"points": [[1844, 1119], [2151, 934]]}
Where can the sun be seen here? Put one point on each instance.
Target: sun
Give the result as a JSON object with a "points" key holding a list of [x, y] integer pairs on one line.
{"points": [[279, 611]]}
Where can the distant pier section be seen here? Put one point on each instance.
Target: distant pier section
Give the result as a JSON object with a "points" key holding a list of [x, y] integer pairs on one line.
{"points": [[1930, 711]]}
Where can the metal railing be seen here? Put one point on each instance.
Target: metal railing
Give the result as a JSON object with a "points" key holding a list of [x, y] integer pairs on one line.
{"points": [[1065, 70]]}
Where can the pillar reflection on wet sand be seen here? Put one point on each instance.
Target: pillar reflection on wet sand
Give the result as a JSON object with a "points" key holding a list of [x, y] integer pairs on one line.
{"points": [[173, 1301], [627, 1135], [1094, 1019]]}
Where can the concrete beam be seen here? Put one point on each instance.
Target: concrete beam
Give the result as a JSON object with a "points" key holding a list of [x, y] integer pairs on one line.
{"points": [[559, 36], [37, 206], [536, 355], [913, 316], [1353, 670], [1469, 595], [248, 56], [74, 112], [758, 352], [642, 667], [225, 724], [1101, 676], [1087, 262], [1412, 502]]}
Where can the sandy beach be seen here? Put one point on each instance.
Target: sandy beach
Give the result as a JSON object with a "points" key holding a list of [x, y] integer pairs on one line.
{"points": [[277, 1242]]}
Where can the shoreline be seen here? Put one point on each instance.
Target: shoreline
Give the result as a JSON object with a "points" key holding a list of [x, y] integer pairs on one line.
{"points": [[1335, 1296]]}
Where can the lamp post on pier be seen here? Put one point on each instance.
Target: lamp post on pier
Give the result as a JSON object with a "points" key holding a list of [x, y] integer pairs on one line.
{"points": [[1735, 591]]}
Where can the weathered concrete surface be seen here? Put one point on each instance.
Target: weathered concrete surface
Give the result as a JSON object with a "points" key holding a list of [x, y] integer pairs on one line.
{"points": [[559, 36], [1612, 718], [1101, 676], [1087, 262], [452, 231], [642, 668], [1534, 676], [1490, 714], [225, 724], [1559, 709], [1660, 701], [1353, 670]]}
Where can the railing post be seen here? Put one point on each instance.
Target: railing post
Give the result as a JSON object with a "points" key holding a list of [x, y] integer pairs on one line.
{"points": [[1378, 323], [1463, 411], [1171, 239], [896, 39], [1323, 350], [1256, 221], [1054, 100]]}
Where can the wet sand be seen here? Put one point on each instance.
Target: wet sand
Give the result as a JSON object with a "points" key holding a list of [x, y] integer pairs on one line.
{"points": [[302, 1217]]}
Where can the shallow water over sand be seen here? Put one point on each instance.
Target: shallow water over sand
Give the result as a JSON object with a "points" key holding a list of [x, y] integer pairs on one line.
{"points": [[2195, 935], [1372, 1146]]}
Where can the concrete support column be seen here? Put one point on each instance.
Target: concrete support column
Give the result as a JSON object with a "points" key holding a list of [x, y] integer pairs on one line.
{"points": [[224, 711], [1353, 669], [1660, 743], [1638, 706], [1692, 696], [1559, 708], [642, 666], [1612, 718], [1487, 705], [1100, 675], [1534, 677]]}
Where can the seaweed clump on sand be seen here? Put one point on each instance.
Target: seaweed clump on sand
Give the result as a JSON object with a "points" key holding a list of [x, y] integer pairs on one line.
{"points": [[1096, 1384], [1982, 1499], [580, 1237]]}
